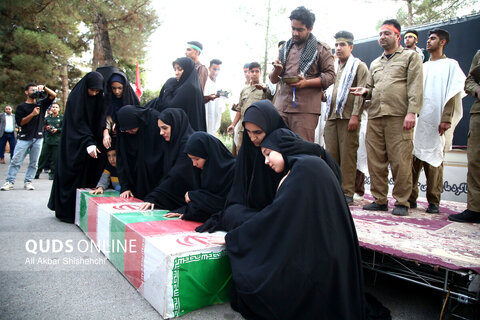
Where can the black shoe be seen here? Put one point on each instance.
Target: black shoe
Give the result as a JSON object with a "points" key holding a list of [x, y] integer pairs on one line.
{"points": [[432, 208], [413, 204], [37, 176], [465, 216], [376, 207], [349, 200], [400, 211], [50, 176]]}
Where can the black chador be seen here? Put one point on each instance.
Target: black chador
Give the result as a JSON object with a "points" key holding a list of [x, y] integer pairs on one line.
{"points": [[129, 97], [298, 258], [82, 127], [139, 151], [215, 179], [186, 94], [179, 176], [254, 184]]}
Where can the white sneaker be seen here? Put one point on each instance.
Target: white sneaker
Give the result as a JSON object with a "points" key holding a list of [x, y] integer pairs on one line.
{"points": [[7, 186], [29, 186]]}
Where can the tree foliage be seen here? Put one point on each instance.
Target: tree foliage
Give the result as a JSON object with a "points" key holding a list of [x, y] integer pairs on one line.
{"points": [[129, 24], [40, 37], [149, 95], [36, 38], [428, 11]]}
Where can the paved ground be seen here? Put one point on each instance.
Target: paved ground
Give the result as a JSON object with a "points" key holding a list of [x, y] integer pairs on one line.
{"points": [[59, 288]]}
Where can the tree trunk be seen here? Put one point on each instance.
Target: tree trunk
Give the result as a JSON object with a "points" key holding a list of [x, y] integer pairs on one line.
{"points": [[64, 77], [102, 49], [267, 36], [410, 14]]}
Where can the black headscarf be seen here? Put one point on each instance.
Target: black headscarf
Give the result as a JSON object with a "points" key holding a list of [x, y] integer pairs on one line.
{"points": [[186, 94], [303, 242], [179, 176], [106, 72], [129, 97], [140, 155], [215, 179], [82, 127], [254, 184], [294, 144]]}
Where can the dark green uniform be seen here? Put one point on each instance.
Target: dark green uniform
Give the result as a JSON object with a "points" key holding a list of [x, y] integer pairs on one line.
{"points": [[50, 146]]}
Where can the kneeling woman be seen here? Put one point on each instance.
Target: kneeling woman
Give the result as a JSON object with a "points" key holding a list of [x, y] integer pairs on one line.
{"points": [[139, 151], [179, 176], [298, 258], [214, 166]]}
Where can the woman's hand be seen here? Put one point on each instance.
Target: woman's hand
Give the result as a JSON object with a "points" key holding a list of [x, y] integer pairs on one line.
{"points": [[126, 194], [147, 206], [173, 215], [107, 140], [218, 240]]}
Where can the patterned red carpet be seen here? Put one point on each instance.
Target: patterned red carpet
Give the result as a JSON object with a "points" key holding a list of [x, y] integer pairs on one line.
{"points": [[420, 236]]}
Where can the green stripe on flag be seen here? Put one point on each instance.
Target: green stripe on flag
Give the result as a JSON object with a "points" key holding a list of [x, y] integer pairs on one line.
{"points": [[84, 196], [200, 280], [117, 231]]}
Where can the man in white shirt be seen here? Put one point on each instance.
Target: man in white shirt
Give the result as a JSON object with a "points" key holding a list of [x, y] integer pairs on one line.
{"points": [[214, 104], [7, 132]]}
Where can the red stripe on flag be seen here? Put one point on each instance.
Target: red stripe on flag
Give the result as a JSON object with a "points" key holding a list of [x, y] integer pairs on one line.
{"points": [[92, 212], [154, 228], [133, 259]]}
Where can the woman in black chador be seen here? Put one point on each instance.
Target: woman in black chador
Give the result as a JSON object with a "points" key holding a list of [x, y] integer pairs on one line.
{"points": [[139, 151], [213, 165], [254, 184], [118, 93], [298, 258], [78, 165], [184, 92], [179, 176]]}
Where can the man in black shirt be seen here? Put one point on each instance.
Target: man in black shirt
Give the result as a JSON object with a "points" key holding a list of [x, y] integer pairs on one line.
{"points": [[30, 116]]}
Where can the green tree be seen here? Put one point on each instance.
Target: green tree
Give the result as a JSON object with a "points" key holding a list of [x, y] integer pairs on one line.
{"points": [[119, 30], [418, 12], [148, 95], [39, 40], [36, 40], [266, 20]]}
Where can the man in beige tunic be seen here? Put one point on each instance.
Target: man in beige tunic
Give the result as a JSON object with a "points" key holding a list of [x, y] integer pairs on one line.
{"points": [[472, 87], [395, 88], [344, 111], [306, 68]]}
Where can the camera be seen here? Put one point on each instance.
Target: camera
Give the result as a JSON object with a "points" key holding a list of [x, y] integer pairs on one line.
{"points": [[39, 95], [222, 93]]}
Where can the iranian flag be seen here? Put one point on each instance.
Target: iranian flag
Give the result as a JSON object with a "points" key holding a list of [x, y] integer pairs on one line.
{"points": [[175, 268]]}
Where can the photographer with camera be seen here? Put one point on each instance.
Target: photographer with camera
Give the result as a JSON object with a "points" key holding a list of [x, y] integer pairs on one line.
{"points": [[30, 116]]}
